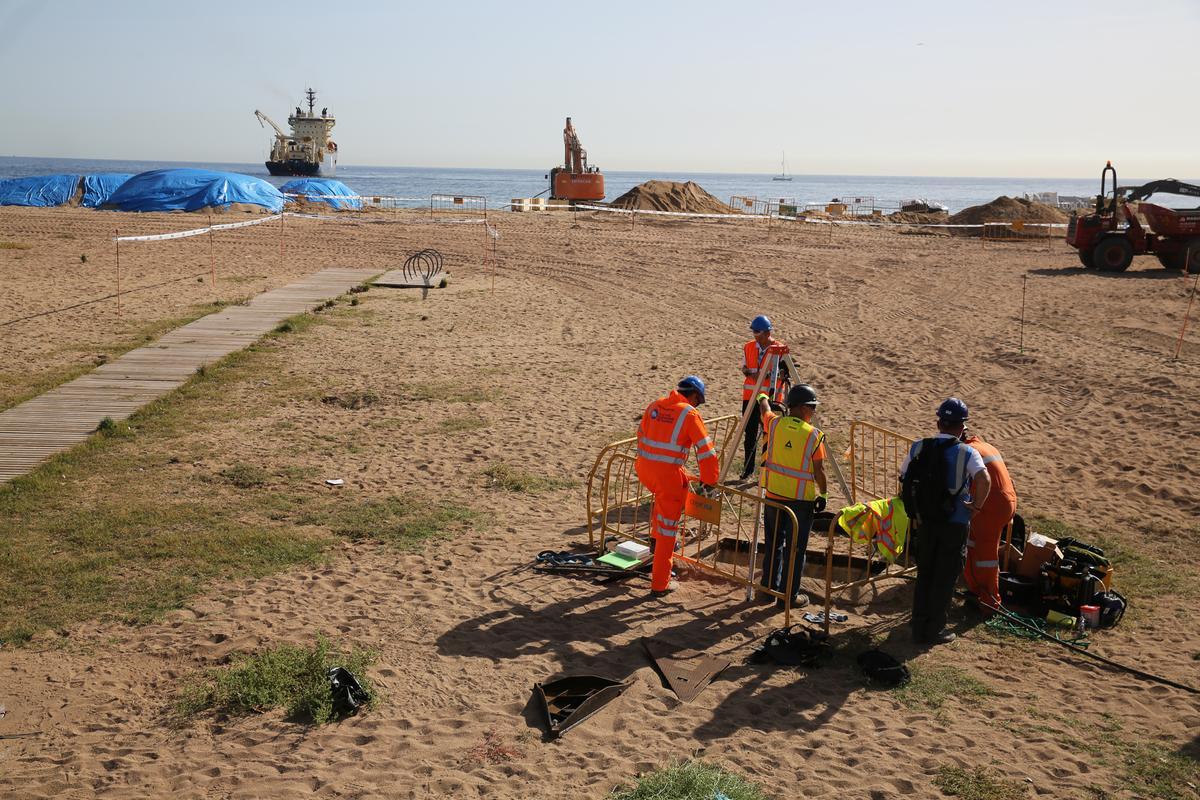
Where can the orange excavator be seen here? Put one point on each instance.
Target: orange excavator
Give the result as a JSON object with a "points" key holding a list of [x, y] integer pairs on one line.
{"points": [[575, 180]]}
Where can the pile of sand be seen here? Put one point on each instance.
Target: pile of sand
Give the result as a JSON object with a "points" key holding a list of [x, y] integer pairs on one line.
{"points": [[1009, 209], [918, 217], [672, 196]]}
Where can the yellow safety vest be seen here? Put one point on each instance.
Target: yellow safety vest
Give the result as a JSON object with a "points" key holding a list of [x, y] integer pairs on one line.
{"points": [[788, 470], [881, 521]]}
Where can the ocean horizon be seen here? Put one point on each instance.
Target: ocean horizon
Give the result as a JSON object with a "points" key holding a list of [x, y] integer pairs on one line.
{"points": [[499, 186]]}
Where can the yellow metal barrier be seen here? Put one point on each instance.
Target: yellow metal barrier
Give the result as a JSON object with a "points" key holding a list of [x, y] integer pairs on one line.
{"points": [[875, 455], [618, 506]]}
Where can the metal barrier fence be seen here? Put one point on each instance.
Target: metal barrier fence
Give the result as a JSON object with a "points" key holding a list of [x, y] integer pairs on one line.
{"points": [[470, 204], [875, 456], [728, 544]]}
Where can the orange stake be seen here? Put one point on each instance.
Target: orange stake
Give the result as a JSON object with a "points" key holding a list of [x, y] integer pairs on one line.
{"points": [[1186, 266], [117, 243], [212, 259]]}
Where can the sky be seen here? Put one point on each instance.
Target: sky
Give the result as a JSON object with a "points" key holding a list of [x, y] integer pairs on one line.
{"points": [[1051, 88]]}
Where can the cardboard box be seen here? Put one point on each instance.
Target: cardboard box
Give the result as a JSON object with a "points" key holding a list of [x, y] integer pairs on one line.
{"points": [[1039, 550]]}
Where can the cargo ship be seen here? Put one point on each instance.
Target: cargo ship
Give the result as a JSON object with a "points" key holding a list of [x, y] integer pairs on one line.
{"points": [[308, 150]]}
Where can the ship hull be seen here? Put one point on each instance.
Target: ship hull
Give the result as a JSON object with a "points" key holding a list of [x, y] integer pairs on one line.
{"points": [[294, 166]]}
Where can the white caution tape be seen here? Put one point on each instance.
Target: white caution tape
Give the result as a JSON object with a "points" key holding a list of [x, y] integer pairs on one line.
{"points": [[197, 231]]}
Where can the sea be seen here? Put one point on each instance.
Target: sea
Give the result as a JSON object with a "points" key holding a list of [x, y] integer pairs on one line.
{"points": [[499, 186]]}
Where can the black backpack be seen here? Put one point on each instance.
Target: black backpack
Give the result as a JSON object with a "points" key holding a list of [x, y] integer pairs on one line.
{"points": [[924, 488]]}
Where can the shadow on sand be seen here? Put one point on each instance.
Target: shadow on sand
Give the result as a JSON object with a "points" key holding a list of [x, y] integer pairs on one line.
{"points": [[598, 631]]}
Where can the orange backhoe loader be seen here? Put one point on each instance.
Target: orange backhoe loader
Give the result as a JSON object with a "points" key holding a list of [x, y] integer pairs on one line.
{"points": [[575, 180]]}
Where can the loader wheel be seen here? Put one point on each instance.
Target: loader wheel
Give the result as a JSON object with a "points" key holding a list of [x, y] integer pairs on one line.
{"points": [[1085, 258], [1113, 254], [1192, 265]]}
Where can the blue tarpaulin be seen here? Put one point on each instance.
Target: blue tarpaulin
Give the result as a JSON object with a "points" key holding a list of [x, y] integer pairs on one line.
{"points": [[40, 190], [192, 190], [320, 189], [98, 188]]}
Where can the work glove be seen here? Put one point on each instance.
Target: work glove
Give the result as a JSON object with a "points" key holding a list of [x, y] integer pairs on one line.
{"points": [[762, 396], [822, 500]]}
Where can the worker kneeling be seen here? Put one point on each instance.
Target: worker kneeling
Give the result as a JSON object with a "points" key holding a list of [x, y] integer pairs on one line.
{"points": [[670, 427], [793, 475]]}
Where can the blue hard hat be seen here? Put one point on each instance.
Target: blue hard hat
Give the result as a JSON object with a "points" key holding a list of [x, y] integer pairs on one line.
{"points": [[761, 323], [952, 410], [692, 383]]}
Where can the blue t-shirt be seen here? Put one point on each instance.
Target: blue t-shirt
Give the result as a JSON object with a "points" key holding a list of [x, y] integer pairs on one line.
{"points": [[964, 462]]}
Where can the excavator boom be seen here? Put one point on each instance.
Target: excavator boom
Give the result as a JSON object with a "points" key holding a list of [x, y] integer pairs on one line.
{"points": [[575, 180], [1167, 186]]}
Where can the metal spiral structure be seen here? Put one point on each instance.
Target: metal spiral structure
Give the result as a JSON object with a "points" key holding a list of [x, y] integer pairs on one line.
{"points": [[423, 264]]}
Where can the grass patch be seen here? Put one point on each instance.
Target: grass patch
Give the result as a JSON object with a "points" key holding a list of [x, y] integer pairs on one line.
{"points": [[932, 686], [289, 677], [511, 479], [351, 400], [1160, 772], [15, 246], [404, 522], [461, 424], [245, 476], [977, 784], [690, 780], [109, 530]]}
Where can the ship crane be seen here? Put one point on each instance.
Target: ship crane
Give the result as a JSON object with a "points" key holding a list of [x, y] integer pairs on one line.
{"points": [[264, 118]]}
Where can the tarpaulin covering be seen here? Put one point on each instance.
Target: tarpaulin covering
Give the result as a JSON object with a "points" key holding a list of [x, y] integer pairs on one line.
{"points": [[98, 188], [40, 190], [321, 189], [192, 190]]}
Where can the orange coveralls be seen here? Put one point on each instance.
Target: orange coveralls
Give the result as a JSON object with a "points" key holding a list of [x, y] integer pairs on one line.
{"points": [[982, 570], [670, 427]]}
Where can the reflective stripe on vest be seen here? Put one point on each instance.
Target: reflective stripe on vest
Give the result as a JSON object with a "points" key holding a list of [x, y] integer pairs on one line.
{"points": [[788, 469], [991, 459], [672, 451], [769, 363]]}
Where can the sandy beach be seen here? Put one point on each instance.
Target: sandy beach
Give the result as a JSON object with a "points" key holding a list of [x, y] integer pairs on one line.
{"points": [[590, 318]]}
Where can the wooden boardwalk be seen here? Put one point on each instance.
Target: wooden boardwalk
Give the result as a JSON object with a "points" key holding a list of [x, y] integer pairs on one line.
{"points": [[62, 418]]}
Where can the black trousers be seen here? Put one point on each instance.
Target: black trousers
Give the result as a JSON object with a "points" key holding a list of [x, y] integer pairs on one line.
{"points": [[941, 551], [753, 425], [778, 555]]}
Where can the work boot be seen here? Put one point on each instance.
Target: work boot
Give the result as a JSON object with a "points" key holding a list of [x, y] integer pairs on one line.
{"points": [[747, 472], [671, 586], [941, 637], [799, 601]]}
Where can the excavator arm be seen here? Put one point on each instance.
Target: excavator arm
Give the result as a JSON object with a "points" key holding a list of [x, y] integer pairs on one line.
{"points": [[264, 118], [1168, 186]]}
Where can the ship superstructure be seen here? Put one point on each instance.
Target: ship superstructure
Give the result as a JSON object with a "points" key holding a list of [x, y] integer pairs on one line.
{"points": [[309, 150]]}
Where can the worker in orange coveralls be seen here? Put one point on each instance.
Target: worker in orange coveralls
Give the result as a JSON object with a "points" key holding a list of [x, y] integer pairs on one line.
{"points": [[670, 427], [982, 569]]}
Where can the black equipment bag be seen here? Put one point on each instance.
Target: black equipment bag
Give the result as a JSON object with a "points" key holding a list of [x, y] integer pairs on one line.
{"points": [[1112, 607], [881, 668], [1068, 585], [925, 486], [791, 648]]}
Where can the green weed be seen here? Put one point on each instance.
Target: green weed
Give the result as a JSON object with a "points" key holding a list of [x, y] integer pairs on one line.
{"points": [[245, 476], [690, 780], [931, 687], [287, 676], [977, 784], [511, 479], [404, 522], [461, 424]]}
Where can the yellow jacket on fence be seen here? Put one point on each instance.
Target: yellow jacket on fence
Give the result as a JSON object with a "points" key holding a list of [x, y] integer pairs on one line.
{"points": [[883, 522]]}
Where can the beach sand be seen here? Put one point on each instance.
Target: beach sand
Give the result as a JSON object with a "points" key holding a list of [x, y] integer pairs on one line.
{"points": [[587, 324]]}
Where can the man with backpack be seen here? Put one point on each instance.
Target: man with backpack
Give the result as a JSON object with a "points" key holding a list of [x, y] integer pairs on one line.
{"points": [[943, 483]]}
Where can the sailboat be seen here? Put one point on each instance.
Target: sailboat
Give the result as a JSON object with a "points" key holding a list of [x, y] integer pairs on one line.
{"points": [[782, 176]]}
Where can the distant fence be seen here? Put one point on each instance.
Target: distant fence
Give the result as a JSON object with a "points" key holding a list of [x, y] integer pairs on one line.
{"points": [[468, 204]]}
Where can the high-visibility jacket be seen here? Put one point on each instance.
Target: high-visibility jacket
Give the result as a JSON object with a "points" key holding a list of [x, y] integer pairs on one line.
{"points": [[754, 356], [1002, 494], [793, 448], [670, 427], [883, 522]]}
